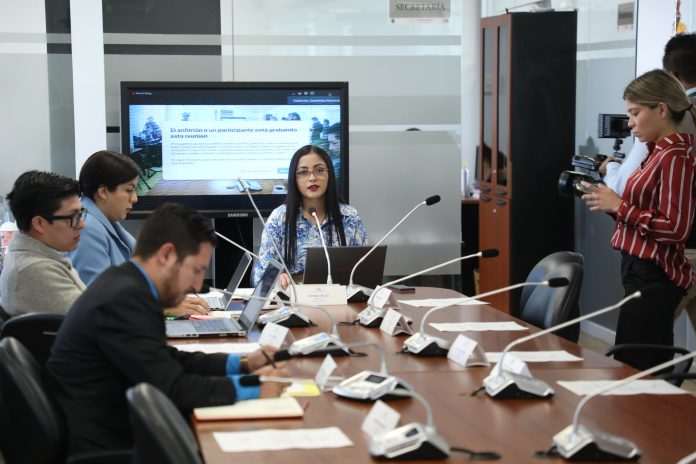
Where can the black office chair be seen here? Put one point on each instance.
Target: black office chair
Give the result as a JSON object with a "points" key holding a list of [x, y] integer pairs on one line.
{"points": [[37, 432], [546, 306], [161, 433], [679, 376], [36, 331], [4, 317], [543, 267], [32, 425], [677, 370]]}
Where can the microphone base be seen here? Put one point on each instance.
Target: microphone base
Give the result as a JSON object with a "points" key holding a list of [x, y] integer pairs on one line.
{"points": [[372, 386], [594, 445], [413, 441], [371, 316], [319, 344], [287, 317], [420, 344], [358, 293], [507, 385]]}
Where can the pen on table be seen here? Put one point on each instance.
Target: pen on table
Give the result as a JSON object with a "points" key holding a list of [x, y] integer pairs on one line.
{"points": [[268, 359]]}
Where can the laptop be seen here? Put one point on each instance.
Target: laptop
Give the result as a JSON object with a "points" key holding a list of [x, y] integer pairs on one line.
{"points": [[237, 326], [369, 274], [224, 302]]}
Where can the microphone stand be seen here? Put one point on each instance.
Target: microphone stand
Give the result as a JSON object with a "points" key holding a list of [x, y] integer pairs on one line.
{"points": [[411, 441], [329, 280], [583, 443], [372, 316], [352, 288], [294, 306], [423, 344], [370, 385], [505, 384]]}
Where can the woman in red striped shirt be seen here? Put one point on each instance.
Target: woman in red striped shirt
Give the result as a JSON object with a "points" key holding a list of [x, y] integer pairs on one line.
{"points": [[654, 215]]}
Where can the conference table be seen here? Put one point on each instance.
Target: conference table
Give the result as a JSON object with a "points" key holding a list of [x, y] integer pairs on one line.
{"points": [[662, 426]]}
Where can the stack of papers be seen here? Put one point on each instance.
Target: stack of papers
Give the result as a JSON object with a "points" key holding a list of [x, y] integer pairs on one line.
{"points": [[637, 387], [476, 326], [265, 408], [274, 439], [234, 348]]}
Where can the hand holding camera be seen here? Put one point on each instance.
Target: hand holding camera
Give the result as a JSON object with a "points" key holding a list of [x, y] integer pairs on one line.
{"points": [[599, 197]]}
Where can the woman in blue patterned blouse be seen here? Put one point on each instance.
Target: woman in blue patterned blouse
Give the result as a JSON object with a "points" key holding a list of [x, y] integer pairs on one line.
{"points": [[311, 184]]}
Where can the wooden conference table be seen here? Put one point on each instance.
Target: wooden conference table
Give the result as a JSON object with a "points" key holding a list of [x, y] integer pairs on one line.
{"points": [[662, 426]]}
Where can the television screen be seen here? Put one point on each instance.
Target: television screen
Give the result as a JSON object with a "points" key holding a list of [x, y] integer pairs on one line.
{"points": [[194, 141]]}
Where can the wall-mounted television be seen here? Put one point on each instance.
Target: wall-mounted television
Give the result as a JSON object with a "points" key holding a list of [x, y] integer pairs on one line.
{"points": [[194, 140]]}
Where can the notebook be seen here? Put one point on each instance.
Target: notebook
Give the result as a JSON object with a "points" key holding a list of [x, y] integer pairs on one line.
{"points": [[368, 274], [225, 301], [262, 408], [235, 326]]}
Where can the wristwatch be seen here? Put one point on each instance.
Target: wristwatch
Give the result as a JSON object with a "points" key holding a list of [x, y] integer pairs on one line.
{"points": [[244, 364]]}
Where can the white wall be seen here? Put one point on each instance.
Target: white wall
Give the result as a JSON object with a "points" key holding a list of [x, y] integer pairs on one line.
{"points": [[24, 121]]}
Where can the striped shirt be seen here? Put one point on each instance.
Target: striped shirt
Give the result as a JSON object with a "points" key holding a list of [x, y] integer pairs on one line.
{"points": [[657, 211]]}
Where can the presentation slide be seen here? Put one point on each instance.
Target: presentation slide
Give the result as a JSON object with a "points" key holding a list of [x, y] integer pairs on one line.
{"points": [[204, 149], [230, 149]]}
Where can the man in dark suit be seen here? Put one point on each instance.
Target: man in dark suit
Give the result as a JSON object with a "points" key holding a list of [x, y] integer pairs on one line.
{"points": [[114, 337]]}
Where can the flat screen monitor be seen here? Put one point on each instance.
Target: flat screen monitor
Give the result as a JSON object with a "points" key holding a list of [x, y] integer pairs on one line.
{"points": [[193, 141]]}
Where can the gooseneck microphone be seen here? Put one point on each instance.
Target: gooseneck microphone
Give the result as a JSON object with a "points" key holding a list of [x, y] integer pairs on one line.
{"points": [[504, 384], [313, 212], [583, 443], [372, 317], [423, 344], [276, 263], [353, 289], [273, 241], [370, 385]]}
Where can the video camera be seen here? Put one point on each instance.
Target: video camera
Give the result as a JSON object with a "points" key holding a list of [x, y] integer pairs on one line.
{"points": [[610, 126]]}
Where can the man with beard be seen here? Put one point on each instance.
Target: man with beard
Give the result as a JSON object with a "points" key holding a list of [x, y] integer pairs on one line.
{"points": [[114, 338]]}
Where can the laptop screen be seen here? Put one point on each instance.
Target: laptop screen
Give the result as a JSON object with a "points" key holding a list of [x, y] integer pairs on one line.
{"points": [[239, 272], [253, 308], [369, 273]]}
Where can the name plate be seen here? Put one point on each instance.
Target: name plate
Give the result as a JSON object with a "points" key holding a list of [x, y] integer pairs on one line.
{"points": [[467, 352], [321, 294]]}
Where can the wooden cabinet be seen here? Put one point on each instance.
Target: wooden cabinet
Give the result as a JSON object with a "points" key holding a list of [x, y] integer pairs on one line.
{"points": [[527, 139]]}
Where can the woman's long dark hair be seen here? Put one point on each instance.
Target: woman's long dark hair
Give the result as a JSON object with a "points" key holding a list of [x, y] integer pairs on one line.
{"points": [[294, 201]]}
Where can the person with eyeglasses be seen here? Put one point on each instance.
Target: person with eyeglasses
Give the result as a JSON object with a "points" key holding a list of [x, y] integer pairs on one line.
{"points": [[108, 181], [37, 275], [311, 184]]}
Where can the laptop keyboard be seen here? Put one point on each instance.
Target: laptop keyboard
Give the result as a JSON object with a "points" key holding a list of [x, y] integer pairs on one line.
{"points": [[215, 325]]}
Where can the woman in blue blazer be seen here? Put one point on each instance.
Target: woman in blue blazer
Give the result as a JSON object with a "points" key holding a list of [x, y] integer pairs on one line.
{"points": [[108, 180]]}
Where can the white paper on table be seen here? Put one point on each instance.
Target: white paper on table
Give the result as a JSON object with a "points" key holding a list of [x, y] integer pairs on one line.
{"points": [[432, 302], [277, 439], [637, 387], [537, 356], [234, 348], [476, 326], [243, 293]]}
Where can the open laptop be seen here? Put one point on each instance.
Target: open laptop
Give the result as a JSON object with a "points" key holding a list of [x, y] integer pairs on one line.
{"points": [[369, 274], [225, 301], [234, 326]]}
